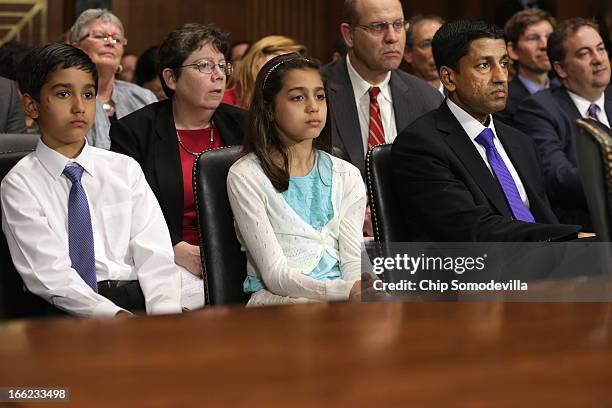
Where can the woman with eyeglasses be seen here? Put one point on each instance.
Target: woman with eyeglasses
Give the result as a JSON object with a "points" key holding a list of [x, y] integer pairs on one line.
{"points": [[167, 137], [100, 34]]}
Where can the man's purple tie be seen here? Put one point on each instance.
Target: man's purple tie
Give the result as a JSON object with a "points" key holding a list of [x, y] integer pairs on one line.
{"points": [[593, 112], [517, 206], [80, 233]]}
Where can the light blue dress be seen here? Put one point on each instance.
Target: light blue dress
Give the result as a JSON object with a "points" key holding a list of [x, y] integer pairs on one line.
{"points": [[310, 197]]}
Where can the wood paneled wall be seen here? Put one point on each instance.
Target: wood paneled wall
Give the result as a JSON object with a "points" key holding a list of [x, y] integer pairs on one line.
{"points": [[311, 22]]}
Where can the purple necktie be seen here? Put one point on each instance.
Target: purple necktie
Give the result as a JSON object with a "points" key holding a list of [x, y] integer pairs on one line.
{"points": [[80, 233], [593, 112], [517, 206]]}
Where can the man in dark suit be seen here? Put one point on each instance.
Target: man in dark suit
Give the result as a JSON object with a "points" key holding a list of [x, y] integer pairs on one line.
{"points": [[581, 62], [367, 80], [459, 174], [526, 37]]}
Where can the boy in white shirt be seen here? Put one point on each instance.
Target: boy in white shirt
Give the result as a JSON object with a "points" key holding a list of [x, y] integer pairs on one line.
{"points": [[84, 229]]}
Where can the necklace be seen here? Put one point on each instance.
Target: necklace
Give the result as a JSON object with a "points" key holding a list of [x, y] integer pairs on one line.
{"points": [[194, 154]]}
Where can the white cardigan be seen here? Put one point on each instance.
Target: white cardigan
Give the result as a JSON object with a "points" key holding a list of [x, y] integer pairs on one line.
{"points": [[282, 248]]}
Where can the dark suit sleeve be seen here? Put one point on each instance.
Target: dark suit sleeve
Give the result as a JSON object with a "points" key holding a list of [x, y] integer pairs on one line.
{"points": [[15, 120], [124, 140], [429, 185], [552, 136]]}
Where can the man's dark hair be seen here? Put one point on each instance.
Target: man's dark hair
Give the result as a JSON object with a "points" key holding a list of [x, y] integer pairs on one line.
{"points": [[518, 23], [452, 41], [555, 49], [38, 65], [180, 43], [416, 20]]}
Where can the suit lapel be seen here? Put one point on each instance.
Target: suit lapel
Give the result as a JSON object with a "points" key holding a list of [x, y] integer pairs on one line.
{"points": [[567, 105], [463, 147], [608, 103], [168, 164], [345, 113], [400, 93], [229, 130]]}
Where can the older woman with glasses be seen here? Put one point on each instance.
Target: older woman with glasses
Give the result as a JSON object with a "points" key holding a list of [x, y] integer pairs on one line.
{"points": [[100, 34], [166, 137]]}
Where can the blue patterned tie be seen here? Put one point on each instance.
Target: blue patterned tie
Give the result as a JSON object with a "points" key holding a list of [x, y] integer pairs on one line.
{"points": [[80, 233], [517, 206], [593, 112]]}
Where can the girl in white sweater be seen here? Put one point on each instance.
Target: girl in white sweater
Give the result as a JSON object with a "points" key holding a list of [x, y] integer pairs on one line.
{"points": [[298, 210]]}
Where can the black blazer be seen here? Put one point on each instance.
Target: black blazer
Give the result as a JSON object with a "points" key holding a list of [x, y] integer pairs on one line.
{"points": [[149, 136], [449, 194], [412, 97], [548, 117]]}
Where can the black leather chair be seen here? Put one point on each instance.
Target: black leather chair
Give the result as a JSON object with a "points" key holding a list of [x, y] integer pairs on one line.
{"points": [[386, 214], [223, 261], [15, 302], [594, 154]]}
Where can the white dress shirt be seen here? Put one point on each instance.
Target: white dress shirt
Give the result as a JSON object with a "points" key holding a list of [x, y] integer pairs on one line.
{"points": [[282, 249], [583, 104], [473, 128], [131, 239], [361, 89]]}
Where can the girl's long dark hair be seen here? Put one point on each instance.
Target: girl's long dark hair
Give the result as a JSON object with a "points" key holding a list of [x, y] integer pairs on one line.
{"points": [[262, 137]]}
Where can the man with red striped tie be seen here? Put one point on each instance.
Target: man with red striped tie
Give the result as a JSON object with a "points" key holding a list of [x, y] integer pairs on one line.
{"points": [[371, 99]]}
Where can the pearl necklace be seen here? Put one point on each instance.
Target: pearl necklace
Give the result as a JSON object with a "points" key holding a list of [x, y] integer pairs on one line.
{"points": [[194, 154]]}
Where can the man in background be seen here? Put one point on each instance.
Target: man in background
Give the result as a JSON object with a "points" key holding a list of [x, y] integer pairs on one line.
{"points": [[527, 34], [417, 54]]}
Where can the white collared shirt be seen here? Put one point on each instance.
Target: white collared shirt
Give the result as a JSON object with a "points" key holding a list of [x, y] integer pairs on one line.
{"points": [[441, 89], [583, 104], [473, 128], [131, 239], [361, 89]]}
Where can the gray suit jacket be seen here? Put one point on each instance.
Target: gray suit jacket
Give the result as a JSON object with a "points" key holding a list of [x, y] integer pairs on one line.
{"points": [[11, 111], [412, 97]]}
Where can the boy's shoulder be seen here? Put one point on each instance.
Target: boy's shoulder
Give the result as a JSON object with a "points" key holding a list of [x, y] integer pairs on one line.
{"points": [[24, 166]]}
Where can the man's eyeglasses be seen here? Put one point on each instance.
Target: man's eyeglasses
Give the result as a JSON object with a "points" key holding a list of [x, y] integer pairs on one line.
{"points": [[207, 67], [113, 39], [380, 28]]}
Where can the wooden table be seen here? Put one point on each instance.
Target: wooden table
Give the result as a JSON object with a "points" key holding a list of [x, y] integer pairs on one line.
{"points": [[472, 354]]}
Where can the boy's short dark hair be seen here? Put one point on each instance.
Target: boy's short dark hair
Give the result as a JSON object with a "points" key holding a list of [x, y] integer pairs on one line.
{"points": [[452, 41], [36, 67]]}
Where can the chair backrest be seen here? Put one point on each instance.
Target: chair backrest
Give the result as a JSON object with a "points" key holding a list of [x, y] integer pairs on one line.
{"points": [[386, 214], [223, 261], [18, 142], [594, 154], [14, 301]]}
